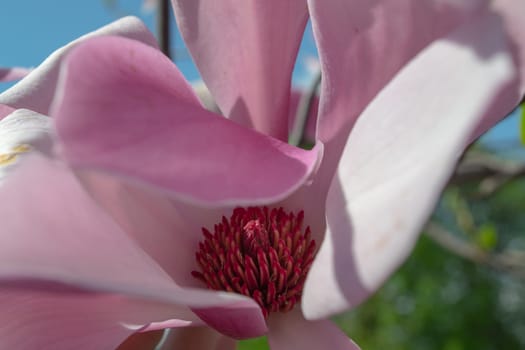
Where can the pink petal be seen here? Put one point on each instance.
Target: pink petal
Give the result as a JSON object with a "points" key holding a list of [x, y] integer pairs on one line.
{"points": [[40, 213], [36, 91], [512, 15], [236, 322], [177, 232], [13, 73], [512, 12], [226, 343], [245, 52], [142, 340], [31, 320], [170, 231], [99, 256], [362, 45], [5, 111], [197, 338], [398, 158], [292, 331], [40, 252], [124, 108]]}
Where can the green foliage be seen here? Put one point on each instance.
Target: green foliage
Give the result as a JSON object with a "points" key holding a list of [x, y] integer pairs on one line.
{"points": [[440, 301], [253, 344], [522, 124], [436, 301], [487, 237]]}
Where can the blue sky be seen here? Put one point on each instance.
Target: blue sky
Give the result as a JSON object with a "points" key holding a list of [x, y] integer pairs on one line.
{"points": [[30, 31]]}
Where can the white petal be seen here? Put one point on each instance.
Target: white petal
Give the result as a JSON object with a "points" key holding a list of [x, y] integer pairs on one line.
{"points": [[19, 132], [398, 158]]}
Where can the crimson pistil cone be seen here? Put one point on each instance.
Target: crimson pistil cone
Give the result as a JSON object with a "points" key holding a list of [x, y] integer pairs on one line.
{"points": [[262, 253]]}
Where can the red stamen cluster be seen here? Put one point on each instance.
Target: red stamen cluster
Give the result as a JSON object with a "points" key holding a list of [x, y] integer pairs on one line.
{"points": [[260, 253]]}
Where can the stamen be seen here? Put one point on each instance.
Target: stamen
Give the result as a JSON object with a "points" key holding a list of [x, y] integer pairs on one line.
{"points": [[8, 158], [261, 253]]}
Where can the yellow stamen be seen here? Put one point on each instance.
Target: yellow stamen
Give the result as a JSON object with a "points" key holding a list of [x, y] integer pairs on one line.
{"points": [[10, 157], [21, 148], [7, 158]]}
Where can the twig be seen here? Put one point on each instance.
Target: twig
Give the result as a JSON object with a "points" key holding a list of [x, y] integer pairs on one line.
{"points": [[303, 110], [477, 166], [163, 26], [512, 262]]}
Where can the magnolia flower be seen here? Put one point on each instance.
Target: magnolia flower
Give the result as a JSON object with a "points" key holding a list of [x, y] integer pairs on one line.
{"points": [[153, 213]]}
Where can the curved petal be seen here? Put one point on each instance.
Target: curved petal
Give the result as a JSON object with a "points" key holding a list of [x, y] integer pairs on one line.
{"points": [[142, 341], [237, 323], [245, 52], [511, 12], [177, 229], [40, 213], [398, 158], [226, 343], [19, 132], [36, 91], [362, 45], [124, 108], [42, 205], [13, 73], [292, 331], [5, 111], [84, 321], [197, 338], [39, 252], [168, 231]]}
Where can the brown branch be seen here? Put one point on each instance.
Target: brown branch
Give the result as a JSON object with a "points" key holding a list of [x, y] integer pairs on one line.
{"points": [[512, 262], [163, 26], [477, 166], [303, 111]]}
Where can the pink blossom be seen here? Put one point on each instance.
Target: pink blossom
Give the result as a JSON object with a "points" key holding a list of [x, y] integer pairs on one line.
{"points": [[99, 237]]}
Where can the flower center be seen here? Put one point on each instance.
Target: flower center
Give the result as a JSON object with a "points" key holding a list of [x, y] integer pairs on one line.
{"points": [[262, 253]]}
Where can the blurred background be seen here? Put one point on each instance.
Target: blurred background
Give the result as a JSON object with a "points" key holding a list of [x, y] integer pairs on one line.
{"points": [[464, 285]]}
